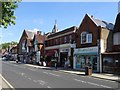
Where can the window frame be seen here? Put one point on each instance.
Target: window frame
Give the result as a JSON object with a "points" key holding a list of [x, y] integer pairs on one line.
{"points": [[86, 37]]}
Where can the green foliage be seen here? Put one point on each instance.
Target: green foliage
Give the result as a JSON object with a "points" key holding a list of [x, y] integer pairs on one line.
{"points": [[7, 9], [6, 45]]}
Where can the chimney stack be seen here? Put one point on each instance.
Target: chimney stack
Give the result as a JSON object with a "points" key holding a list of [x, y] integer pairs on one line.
{"points": [[38, 32], [91, 16]]}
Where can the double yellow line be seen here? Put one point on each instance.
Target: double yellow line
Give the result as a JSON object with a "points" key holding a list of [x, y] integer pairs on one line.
{"points": [[9, 85]]}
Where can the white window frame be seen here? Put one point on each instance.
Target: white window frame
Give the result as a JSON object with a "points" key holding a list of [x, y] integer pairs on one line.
{"points": [[82, 37], [89, 38]]}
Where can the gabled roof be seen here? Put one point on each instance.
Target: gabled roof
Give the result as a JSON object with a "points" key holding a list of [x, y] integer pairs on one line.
{"points": [[102, 23], [117, 23], [28, 41], [40, 38], [30, 34]]}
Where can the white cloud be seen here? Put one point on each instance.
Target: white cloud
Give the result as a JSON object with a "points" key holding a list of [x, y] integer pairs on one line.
{"points": [[34, 30]]}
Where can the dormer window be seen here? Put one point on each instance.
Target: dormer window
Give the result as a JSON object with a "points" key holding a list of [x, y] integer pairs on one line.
{"points": [[86, 37]]}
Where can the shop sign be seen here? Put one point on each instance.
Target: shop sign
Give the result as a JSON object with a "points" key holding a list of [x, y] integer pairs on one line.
{"points": [[64, 50], [89, 50]]}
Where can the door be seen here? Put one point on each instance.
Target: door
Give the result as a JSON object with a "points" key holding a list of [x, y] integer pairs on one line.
{"points": [[94, 63]]}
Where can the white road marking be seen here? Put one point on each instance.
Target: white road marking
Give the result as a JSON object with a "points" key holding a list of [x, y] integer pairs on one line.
{"points": [[25, 76], [35, 81], [101, 79], [32, 69], [105, 86], [41, 82], [46, 72], [29, 78], [22, 74], [92, 83], [49, 87], [11, 87], [52, 74], [80, 81]]}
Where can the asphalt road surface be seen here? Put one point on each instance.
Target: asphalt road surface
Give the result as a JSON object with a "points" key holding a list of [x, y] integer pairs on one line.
{"points": [[22, 76]]}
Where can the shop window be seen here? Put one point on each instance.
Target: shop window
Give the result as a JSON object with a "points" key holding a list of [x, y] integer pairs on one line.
{"points": [[80, 62], [108, 64]]}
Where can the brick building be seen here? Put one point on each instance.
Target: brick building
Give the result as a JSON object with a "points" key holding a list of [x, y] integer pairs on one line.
{"points": [[38, 46], [93, 38], [111, 60], [59, 45], [25, 45]]}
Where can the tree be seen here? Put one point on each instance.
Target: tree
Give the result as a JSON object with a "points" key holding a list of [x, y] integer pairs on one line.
{"points": [[7, 9], [6, 45]]}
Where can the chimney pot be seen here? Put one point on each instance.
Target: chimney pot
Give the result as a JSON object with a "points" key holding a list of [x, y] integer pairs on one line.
{"points": [[39, 32], [91, 16]]}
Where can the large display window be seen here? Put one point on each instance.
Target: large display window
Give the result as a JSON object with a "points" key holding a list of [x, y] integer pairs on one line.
{"points": [[81, 61]]}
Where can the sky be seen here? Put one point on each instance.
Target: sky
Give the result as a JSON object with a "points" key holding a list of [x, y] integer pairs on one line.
{"points": [[42, 15]]}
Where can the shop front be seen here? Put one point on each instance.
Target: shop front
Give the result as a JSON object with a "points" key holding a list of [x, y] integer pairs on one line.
{"points": [[51, 56], [84, 55], [64, 53], [111, 62], [60, 52]]}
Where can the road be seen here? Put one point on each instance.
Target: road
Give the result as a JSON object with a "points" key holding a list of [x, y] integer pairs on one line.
{"points": [[22, 76]]}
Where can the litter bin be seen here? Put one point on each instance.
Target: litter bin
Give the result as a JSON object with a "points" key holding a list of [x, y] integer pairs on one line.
{"points": [[88, 70]]}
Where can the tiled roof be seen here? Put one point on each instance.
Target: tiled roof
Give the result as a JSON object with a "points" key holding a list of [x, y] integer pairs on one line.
{"points": [[39, 38], [29, 42], [102, 23], [71, 29]]}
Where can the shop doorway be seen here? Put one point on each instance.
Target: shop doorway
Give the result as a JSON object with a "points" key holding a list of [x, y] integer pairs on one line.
{"points": [[63, 56], [93, 62]]}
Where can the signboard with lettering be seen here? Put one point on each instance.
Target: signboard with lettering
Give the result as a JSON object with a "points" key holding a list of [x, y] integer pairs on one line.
{"points": [[89, 50], [64, 50]]}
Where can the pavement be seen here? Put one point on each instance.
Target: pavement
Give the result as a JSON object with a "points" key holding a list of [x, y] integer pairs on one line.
{"points": [[105, 76]]}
